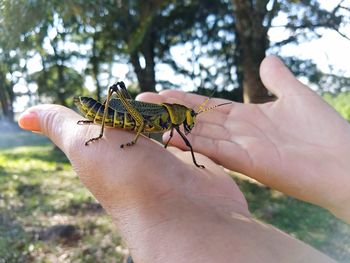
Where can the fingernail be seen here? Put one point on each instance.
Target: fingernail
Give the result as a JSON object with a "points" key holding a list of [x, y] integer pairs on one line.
{"points": [[29, 121]]}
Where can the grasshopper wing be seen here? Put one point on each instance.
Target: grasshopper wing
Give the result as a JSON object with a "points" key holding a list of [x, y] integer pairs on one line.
{"points": [[145, 108]]}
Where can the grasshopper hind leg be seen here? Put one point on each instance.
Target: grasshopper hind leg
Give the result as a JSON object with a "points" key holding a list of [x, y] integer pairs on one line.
{"points": [[139, 131], [93, 139], [88, 122]]}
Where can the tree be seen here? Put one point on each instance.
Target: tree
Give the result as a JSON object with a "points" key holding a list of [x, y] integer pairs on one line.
{"points": [[44, 34], [253, 20], [58, 83], [231, 35], [9, 69], [252, 42]]}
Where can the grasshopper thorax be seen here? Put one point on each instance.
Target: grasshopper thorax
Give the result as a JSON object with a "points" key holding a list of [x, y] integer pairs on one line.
{"points": [[190, 120], [180, 114]]}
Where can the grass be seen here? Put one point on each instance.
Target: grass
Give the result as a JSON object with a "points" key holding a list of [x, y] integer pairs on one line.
{"points": [[46, 214]]}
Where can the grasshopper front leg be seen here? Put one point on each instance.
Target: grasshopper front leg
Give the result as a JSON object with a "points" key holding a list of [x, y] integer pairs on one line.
{"points": [[190, 146], [105, 111], [170, 136]]}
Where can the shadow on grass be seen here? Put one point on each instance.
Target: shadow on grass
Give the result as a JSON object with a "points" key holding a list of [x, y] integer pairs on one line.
{"points": [[28, 190], [75, 207]]}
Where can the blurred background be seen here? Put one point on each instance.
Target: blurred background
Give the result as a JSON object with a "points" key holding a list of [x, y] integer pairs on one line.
{"points": [[51, 51]]}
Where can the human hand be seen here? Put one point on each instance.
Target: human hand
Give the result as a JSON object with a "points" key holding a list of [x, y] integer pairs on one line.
{"points": [[153, 194], [297, 144]]}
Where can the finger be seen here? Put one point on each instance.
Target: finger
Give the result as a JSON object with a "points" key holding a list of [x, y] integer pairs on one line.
{"points": [[151, 97], [211, 130], [189, 100], [54, 121], [222, 151], [279, 79], [194, 100], [158, 98]]}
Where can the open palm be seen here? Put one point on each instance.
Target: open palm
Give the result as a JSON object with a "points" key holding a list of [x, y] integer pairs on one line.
{"points": [[296, 144]]}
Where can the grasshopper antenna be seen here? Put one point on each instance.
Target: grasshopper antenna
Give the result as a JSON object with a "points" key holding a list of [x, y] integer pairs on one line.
{"points": [[213, 107]]}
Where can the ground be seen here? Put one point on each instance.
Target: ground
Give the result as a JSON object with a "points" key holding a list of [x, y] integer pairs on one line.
{"points": [[46, 214]]}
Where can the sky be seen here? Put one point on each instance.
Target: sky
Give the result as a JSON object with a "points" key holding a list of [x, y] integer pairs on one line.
{"points": [[331, 49], [331, 53]]}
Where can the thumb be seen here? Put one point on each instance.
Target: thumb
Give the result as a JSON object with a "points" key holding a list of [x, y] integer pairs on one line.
{"points": [[54, 121], [60, 125], [279, 79]]}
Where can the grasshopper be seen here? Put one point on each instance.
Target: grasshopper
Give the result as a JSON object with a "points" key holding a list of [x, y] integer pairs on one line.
{"points": [[141, 117]]}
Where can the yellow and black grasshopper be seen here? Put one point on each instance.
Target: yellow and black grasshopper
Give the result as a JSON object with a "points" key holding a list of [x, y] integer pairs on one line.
{"points": [[141, 117]]}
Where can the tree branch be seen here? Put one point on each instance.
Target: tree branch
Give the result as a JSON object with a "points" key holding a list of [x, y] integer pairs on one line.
{"points": [[272, 13]]}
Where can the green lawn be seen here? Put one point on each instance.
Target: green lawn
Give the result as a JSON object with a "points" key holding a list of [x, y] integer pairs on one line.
{"points": [[46, 215]]}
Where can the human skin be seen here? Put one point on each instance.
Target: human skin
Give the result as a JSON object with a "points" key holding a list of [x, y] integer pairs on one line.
{"points": [[297, 144], [167, 209]]}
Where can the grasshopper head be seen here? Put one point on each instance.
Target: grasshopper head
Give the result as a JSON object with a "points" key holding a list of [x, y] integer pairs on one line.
{"points": [[190, 120]]}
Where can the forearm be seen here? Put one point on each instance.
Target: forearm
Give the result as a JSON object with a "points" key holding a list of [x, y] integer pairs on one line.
{"points": [[190, 232]]}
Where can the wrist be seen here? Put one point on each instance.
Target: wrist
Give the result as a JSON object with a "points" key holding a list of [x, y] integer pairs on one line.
{"points": [[194, 232], [174, 228]]}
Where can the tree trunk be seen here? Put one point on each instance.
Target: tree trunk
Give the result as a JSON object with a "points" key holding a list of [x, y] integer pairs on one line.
{"points": [[6, 102], [145, 75], [61, 95], [95, 66], [253, 42]]}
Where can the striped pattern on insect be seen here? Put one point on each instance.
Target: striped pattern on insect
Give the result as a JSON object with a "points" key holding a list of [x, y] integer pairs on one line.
{"points": [[141, 117]]}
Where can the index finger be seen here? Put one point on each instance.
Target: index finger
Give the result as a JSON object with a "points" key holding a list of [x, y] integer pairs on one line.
{"points": [[190, 100]]}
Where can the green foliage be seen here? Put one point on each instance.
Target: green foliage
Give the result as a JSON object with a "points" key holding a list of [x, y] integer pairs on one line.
{"points": [[142, 34], [58, 83], [341, 102]]}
